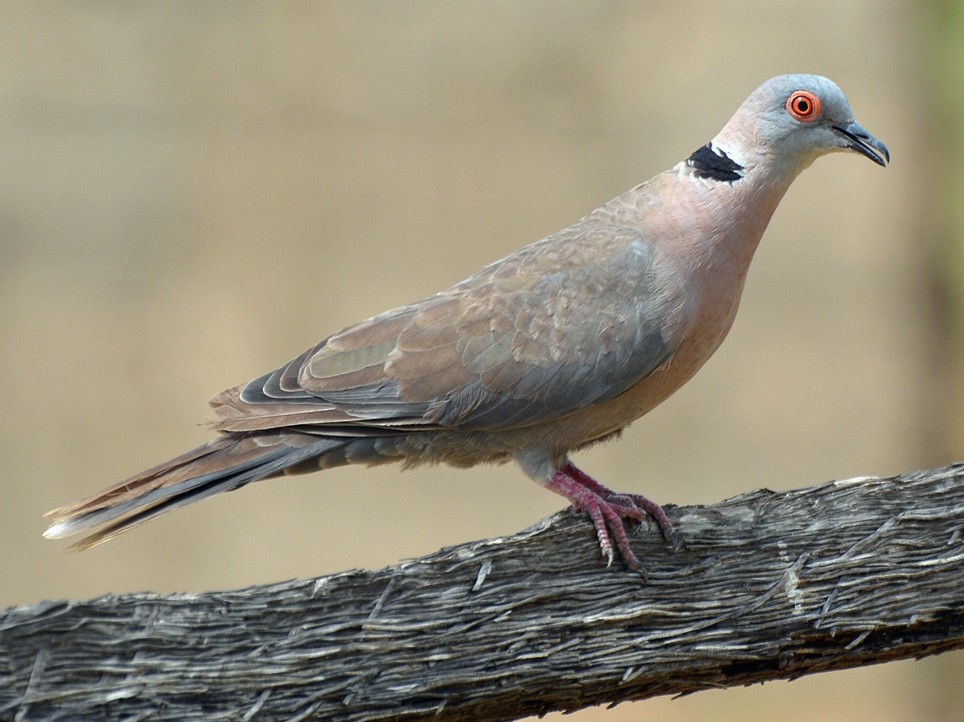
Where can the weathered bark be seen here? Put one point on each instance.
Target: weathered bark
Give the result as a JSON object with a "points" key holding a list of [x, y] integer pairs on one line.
{"points": [[765, 586]]}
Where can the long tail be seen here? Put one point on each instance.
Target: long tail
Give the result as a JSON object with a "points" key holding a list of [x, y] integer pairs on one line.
{"points": [[228, 462]]}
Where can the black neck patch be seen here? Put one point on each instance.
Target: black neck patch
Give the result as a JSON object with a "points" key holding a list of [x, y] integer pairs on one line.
{"points": [[714, 165]]}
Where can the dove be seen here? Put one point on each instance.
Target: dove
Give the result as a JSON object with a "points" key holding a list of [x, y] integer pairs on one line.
{"points": [[553, 348]]}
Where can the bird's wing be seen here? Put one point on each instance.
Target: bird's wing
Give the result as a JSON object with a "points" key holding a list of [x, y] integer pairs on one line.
{"points": [[560, 325]]}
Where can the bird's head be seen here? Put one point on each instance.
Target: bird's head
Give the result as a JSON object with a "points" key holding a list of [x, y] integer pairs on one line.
{"points": [[791, 120]]}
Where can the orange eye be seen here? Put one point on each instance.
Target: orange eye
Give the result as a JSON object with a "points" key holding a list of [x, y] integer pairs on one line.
{"points": [[803, 105]]}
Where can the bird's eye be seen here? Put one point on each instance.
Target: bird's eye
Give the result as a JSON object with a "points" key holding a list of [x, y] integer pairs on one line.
{"points": [[803, 106]]}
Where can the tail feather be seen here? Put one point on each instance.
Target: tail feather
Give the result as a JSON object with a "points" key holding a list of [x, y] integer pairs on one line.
{"points": [[224, 464]]}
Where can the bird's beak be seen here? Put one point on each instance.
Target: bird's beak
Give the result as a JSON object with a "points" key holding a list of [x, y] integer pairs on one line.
{"points": [[858, 139]]}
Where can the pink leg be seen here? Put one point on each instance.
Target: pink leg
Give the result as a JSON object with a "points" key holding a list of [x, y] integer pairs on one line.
{"points": [[607, 509]]}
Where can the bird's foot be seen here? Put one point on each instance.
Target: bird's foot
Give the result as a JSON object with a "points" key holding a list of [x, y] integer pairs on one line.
{"points": [[607, 509]]}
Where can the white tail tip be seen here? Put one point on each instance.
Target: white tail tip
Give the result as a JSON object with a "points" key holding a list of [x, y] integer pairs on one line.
{"points": [[57, 531]]}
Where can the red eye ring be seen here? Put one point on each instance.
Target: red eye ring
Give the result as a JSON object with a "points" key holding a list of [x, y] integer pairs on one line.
{"points": [[804, 106]]}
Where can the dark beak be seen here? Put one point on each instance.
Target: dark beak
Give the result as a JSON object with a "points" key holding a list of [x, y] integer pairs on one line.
{"points": [[858, 139]]}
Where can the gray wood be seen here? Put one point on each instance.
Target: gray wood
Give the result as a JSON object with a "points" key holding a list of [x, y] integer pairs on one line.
{"points": [[764, 586]]}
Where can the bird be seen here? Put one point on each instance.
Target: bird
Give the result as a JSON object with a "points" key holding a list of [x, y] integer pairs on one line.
{"points": [[555, 347]]}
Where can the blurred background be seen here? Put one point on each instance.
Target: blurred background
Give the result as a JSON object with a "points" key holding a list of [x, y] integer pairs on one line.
{"points": [[192, 193]]}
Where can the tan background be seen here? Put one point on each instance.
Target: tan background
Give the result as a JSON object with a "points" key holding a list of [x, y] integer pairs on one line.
{"points": [[191, 193]]}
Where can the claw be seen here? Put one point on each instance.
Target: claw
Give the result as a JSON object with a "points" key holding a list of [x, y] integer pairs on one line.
{"points": [[607, 509]]}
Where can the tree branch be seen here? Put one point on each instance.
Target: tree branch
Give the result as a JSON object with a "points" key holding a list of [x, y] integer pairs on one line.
{"points": [[765, 586]]}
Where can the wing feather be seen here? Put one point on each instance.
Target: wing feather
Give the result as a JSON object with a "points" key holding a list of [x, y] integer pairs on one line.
{"points": [[560, 325]]}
